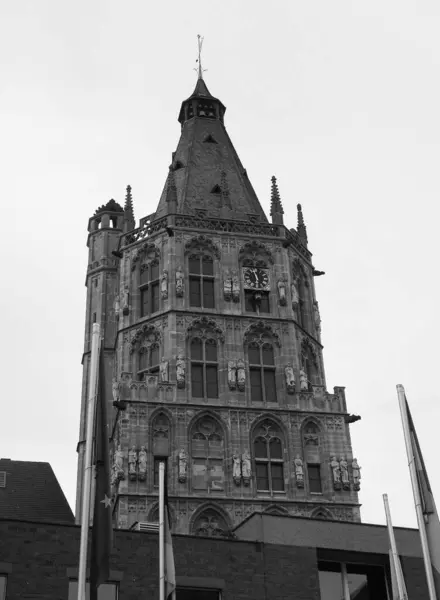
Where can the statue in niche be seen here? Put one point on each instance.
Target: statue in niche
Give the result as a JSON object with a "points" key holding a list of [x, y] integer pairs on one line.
{"points": [[180, 288], [299, 471], [317, 316], [180, 371], [227, 285], [126, 301], [117, 306], [164, 285], [134, 256], [246, 467], [236, 469], [235, 287], [132, 461], [336, 473], [183, 465], [281, 285], [142, 459], [290, 379], [356, 474], [118, 464], [343, 465], [303, 380], [241, 375], [232, 374], [163, 370], [115, 390], [295, 296]]}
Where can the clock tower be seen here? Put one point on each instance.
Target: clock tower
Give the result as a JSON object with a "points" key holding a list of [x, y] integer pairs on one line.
{"points": [[213, 338]]}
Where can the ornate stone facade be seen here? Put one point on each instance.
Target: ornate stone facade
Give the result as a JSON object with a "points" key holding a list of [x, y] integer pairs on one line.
{"points": [[212, 314]]}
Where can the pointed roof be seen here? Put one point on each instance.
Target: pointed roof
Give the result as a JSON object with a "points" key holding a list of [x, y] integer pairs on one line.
{"points": [[276, 207], [301, 228]]}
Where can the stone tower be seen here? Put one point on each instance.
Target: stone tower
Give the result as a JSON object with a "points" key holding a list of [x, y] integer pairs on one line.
{"points": [[213, 336]]}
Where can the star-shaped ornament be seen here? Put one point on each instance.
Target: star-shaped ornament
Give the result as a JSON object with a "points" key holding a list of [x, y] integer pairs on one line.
{"points": [[107, 501]]}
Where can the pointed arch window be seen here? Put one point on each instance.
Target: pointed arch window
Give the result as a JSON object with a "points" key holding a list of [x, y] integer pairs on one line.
{"points": [[149, 288], [148, 360], [207, 454], [204, 368], [201, 281], [160, 433], [262, 372], [312, 457], [269, 461], [210, 523]]}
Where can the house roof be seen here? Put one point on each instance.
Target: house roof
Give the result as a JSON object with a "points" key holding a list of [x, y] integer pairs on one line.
{"points": [[32, 492]]}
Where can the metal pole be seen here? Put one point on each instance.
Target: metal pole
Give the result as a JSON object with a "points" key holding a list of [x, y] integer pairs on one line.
{"points": [[345, 587], [161, 532], [396, 560], [416, 493], [88, 467]]}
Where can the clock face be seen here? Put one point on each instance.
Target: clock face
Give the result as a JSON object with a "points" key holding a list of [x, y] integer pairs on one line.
{"points": [[255, 278]]}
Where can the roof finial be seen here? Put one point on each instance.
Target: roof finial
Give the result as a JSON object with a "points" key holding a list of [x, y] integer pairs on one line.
{"points": [[129, 220], [301, 228], [199, 60], [276, 208]]}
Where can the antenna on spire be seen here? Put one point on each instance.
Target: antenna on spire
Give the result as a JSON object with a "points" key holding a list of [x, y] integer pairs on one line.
{"points": [[199, 69]]}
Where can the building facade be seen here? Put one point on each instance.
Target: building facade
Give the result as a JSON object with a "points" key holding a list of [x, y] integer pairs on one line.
{"points": [[212, 341]]}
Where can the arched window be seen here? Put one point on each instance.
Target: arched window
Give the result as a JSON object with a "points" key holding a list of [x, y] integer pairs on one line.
{"points": [[160, 442], [207, 453], [210, 523], [262, 372], [201, 281], [148, 360], [310, 363], [149, 287], [269, 461], [312, 457], [204, 368], [301, 282]]}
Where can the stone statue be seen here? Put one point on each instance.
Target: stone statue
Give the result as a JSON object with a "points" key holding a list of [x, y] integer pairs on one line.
{"points": [[163, 369], [142, 461], [317, 316], [227, 285], [343, 465], [134, 257], [246, 467], [290, 379], [115, 390], [281, 285], [183, 465], [180, 288], [126, 301], [236, 469], [356, 474], [117, 306], [303, 381], [132, 461], [164, 285], [180, 371], [118, 464], [241, 375], [336, 472], [299, 471], [295, 296], [235, 287], [232, 374]]}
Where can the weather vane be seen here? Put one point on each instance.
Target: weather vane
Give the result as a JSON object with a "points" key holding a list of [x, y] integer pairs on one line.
{"points": [[199, 69]]}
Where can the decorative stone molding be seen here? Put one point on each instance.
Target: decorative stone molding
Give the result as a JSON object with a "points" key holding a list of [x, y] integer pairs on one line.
{"points": [[204, 326], [201, 243], [258, 330]]}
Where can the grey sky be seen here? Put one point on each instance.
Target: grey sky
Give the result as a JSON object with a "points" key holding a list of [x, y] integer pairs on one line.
{"points": [[339, 100]]}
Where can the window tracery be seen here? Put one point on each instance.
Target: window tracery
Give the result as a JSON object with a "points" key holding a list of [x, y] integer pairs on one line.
{"points": [[160, 433], [268, 447], [312, 456], [210, 523], [207, 454]]}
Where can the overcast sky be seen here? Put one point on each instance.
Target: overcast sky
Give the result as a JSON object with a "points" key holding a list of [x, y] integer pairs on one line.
{"points": [[340, 100]]}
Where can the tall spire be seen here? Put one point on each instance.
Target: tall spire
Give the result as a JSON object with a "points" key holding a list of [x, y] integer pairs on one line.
{"points": [[301, 228], [129, 220], [276, 207]]}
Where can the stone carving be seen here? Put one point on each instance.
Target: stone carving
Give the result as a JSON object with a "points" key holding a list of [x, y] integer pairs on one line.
{"points": [[356, 474], [236, 469], [317, 317], [336, 473], [117, 306], [299, 471], [343, 465], [142, 462], [164, 285], [163, 369], [180, 371], [126, 301], [290, 379], [132, 462], [235, 287], [115, 390], [281, 285], [180, 285], [183, 465], [246, 467], [232, 374], [227, 285], [241, 375], [303, 381], [295, 296], [118, 465]]}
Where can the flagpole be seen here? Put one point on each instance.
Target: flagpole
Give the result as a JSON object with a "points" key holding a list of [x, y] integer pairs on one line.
{"points": [[394, 553], [416, 493], [161, 531], [87, 465]]}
